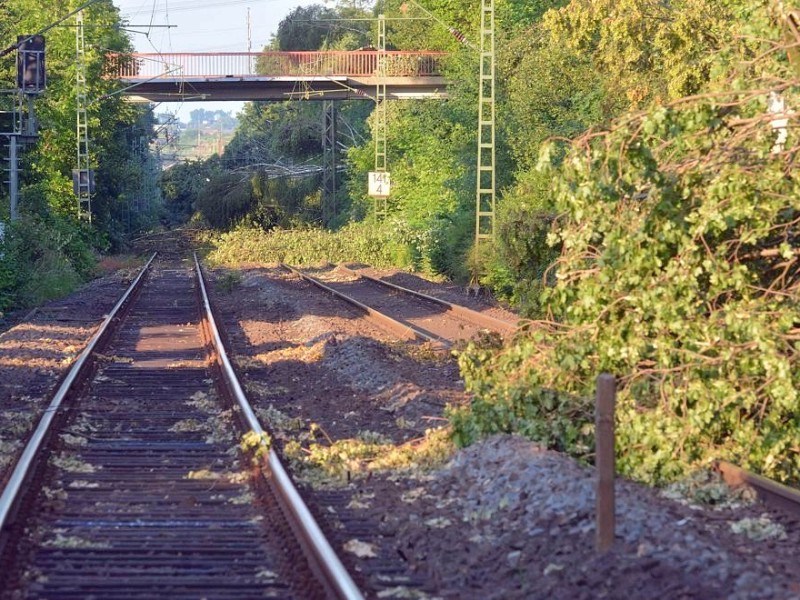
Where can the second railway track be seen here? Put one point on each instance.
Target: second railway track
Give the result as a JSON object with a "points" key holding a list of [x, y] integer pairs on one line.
{"points": [[139, 489], [407, 313]]}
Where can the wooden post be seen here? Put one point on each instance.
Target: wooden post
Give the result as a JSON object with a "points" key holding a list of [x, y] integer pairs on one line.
{"points": [[604, 460]]}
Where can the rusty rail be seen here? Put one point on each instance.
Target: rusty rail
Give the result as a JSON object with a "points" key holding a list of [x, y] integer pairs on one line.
{"points": [[358, 63], [141, 517], [774, 493], [403, 330], [458, 310]]}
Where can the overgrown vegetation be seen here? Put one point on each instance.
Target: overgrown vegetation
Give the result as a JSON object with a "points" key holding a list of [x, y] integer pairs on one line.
{"points": [[382, 245], [43, 258], [49, 251], [270, 174], [647, 222], [677, 272]]}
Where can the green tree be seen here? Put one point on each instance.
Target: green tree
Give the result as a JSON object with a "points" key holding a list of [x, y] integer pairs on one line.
{"points": [[317, 27], [678, 272], [48, 242]]}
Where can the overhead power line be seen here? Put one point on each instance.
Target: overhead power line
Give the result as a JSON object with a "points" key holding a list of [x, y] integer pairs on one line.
{"points": [[194, 6], [13, 47]]}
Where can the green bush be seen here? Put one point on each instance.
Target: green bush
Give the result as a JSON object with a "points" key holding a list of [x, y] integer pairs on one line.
{"points": [[381, 245], [43, 259], [518, 271], [9, 281], [678, 273]]}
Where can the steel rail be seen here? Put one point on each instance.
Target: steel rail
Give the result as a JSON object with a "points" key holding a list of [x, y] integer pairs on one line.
{"points": [[771, 492], [461, 311], [324, 557], [403, 330], [23, 467]]}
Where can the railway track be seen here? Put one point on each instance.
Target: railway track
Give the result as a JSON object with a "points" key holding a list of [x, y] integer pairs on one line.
{"points": [[772, 493], [406, 313], [133, 484]]}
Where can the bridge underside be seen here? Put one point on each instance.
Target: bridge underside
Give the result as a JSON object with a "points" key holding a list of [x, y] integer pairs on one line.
{"points": [[281, 88]]}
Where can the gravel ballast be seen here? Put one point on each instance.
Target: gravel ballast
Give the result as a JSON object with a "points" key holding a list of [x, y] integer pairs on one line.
{"points": [[37, 351], [503, 518]]}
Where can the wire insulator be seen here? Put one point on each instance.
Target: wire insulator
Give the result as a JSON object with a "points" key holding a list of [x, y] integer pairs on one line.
{"points": [[458, 35]]}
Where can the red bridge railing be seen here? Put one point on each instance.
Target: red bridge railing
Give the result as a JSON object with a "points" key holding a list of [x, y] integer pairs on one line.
{"points": [[358, 63]]}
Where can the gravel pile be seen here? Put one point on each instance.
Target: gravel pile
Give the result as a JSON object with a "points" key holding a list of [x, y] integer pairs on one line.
{"points": [[507, 519]]}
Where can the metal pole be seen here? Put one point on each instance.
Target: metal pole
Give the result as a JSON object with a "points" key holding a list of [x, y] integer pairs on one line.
{"points": [[33, 126], [82, 125], [249, 44], [604, 461], [381, 145], [13, 176], [486, 185]]}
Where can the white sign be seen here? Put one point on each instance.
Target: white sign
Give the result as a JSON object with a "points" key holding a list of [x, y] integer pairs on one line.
{"points": [[777, 106], [380, 184]]}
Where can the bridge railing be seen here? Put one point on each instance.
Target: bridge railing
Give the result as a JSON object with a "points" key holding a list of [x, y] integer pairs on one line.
{"points": [[358, 63]]}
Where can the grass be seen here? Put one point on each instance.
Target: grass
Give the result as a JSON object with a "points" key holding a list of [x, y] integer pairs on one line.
{"points": [[111, 264]]}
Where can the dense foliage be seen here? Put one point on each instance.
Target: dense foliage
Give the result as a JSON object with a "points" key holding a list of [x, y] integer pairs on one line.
{"points": [[48, 251], [384, 245], [270, 173], [677, 272]]}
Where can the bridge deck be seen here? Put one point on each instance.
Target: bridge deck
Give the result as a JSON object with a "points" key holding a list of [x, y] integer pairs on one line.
{"points": [[277, 75]]}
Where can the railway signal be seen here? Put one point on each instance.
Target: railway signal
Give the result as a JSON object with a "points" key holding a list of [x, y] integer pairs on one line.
{"points": [[31, 74]]}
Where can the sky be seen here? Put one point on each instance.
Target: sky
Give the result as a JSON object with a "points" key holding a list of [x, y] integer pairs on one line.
{"points": [[203, 26]]}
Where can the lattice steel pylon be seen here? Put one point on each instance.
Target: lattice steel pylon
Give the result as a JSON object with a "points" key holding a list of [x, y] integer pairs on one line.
{"points": [[82, 185], [328, 161], [381, 204], [14, 148], [486, 184]]}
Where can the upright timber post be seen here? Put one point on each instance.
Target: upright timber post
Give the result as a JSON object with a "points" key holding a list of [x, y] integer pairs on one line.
{"points": [[486, 184], [381, 204], [83, 181], [328, 161], [605, 453]]}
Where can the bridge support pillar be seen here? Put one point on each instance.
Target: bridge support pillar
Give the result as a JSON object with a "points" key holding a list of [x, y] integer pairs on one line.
{"points": [[328, 162]]}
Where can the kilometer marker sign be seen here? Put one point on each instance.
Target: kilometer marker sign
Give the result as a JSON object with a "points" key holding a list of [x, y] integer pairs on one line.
{"points": [[380, 184]]}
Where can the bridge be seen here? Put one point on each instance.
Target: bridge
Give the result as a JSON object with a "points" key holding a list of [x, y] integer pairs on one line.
{"points": [[277, 75]]}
